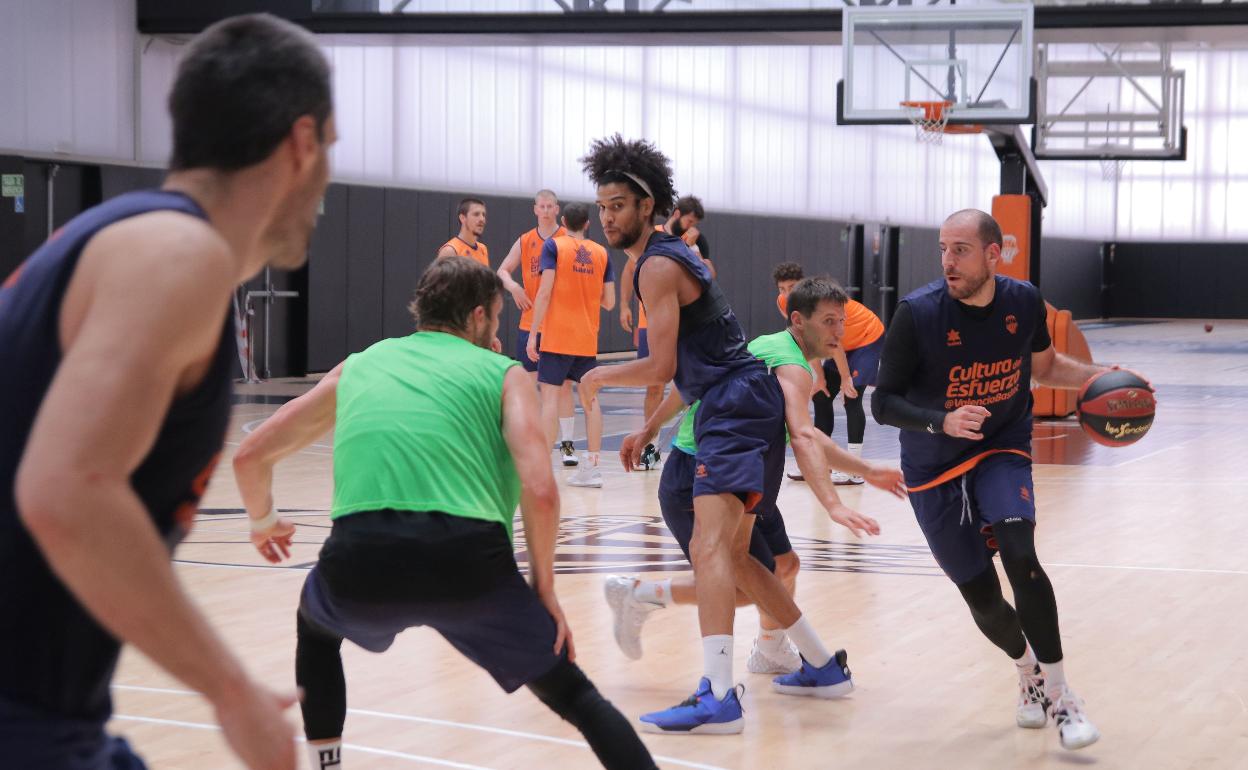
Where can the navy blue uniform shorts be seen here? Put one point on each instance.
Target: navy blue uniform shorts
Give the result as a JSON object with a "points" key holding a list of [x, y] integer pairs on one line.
{"points": [[558, 368], [769, 538], [33, 739], [522, 350], [956, 517], [381, 572], [643, 344], [739, 421]]}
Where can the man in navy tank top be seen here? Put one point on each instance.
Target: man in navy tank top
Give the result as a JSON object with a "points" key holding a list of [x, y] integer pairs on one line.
{"points": [[696, 343], [115, 374], [955, 375]]}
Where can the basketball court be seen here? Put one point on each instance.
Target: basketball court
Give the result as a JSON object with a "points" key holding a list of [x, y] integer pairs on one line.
{"points": [[1146, 545]]}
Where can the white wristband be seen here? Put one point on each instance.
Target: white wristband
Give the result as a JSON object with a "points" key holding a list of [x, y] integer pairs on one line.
{"points": [[266, 522]]}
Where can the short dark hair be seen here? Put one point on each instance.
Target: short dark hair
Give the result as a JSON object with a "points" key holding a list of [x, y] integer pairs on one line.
{"points": [[809, 292], [691, 204], [240, 87], [986, 227], [466, 204], [613, 159], [449, 291], [576, 216], [787, 271]]}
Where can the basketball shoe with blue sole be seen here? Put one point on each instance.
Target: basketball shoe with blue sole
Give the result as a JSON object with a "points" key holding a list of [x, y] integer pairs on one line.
{"points": [[700, 714], [831, 681]]}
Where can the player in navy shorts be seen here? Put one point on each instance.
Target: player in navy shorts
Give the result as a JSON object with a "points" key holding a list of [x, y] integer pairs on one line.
{"points": [[955, 375], [116, 356]]}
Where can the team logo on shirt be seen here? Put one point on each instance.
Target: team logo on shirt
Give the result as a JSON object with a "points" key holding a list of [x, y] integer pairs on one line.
{"points": [[1025, 494], [1011, 324], [582, 262], [701, 471], [953, 339]]}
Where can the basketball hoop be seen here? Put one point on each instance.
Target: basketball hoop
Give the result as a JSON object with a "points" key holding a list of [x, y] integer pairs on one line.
{"points": [[931, 121], [1111, 169]]}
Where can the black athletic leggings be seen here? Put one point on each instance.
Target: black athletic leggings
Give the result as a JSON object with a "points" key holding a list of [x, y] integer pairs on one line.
{"points": [[1036, 616], [564, 689], [825, 418]]}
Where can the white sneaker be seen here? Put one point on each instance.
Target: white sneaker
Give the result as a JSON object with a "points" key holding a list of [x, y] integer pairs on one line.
{"points": [[1032, 705], [1073, 726], [786, 661], [840, 478], [630, 613], [586, 476], [567, 454]]}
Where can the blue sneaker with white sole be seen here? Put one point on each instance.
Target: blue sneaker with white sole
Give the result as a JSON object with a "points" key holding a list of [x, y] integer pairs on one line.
{"points": [[700, 714], [831, 681]]}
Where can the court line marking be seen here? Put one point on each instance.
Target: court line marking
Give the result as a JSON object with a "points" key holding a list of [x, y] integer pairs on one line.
{"points": [[425, 720], [351, 746]]}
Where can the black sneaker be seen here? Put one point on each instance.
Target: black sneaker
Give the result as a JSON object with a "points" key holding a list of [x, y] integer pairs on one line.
{"points": [[650, 460], [568, 454]]}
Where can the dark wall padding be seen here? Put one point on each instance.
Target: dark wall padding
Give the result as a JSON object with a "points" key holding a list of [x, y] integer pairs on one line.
{"points": [[1179, 280], [1070, 276]]}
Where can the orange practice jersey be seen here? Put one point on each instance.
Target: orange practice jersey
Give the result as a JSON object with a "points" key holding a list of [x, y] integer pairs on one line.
{"points": [[581, 268], [530, 269], [478, 252], [862, 327]]}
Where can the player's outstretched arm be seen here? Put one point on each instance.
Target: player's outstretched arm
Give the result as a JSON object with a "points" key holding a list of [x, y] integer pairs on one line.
{"points": [[626, 294], [539, 497], [796, 383], [1058, 370], [292, 427], [124, 363]]}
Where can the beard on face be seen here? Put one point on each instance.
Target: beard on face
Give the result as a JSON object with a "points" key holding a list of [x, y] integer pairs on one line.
{"points": [[626, 238], [969, 285]]}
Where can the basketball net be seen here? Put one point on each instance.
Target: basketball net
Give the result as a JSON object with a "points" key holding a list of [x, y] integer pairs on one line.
{"points": [[1111, 169], [929, 120]]}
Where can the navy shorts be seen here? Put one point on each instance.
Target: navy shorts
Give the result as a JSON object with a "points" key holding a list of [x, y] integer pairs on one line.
{"points": [[522, 350], [739, 421], [32, 738], [864, 363], [381, 572], [769, 538], [557, 368], [643, 344], [956, 517]]}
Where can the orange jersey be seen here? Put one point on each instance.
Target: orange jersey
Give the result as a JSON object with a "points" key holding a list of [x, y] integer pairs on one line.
{"points": [[530, 269], [461, 247], [862, 327], [581, 269]]}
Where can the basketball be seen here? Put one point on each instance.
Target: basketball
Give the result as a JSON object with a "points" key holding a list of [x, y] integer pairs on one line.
{"points": [[1116, 408]]}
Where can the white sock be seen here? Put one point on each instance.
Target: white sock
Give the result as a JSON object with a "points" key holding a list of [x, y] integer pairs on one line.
{"points": [[655, 592], [1027, 661], [855, 450], [770, 640], [326, 755], [565, 428], [593, 458], [717, 663], [808, 643], [1054, 679]]}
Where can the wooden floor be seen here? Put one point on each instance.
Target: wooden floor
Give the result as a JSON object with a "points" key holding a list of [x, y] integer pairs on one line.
{"points": [[1147, 547]]}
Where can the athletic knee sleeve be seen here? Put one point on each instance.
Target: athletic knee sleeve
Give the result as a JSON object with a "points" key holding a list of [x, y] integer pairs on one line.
{"points": [[993, 615], [1033, 592], [318, 672], [825, 417]]}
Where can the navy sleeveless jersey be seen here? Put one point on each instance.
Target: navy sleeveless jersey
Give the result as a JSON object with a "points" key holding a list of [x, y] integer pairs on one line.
{"points": [[969, 361], [710, 346], [55, 659]]}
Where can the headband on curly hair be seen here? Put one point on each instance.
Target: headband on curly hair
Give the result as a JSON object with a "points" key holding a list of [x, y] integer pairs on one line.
{"points": [[637, 163]]}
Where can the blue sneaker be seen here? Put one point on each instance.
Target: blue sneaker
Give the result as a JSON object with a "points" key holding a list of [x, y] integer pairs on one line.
{"points": [[700, 713], [831, 681]]}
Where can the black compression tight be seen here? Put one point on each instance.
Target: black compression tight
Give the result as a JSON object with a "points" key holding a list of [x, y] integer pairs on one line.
{"points": [[318, 672], [569, 693], [1036, 616]]}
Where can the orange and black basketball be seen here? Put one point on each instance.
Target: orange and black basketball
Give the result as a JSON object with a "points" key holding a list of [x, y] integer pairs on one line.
{"points": [[1116, 408]]}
